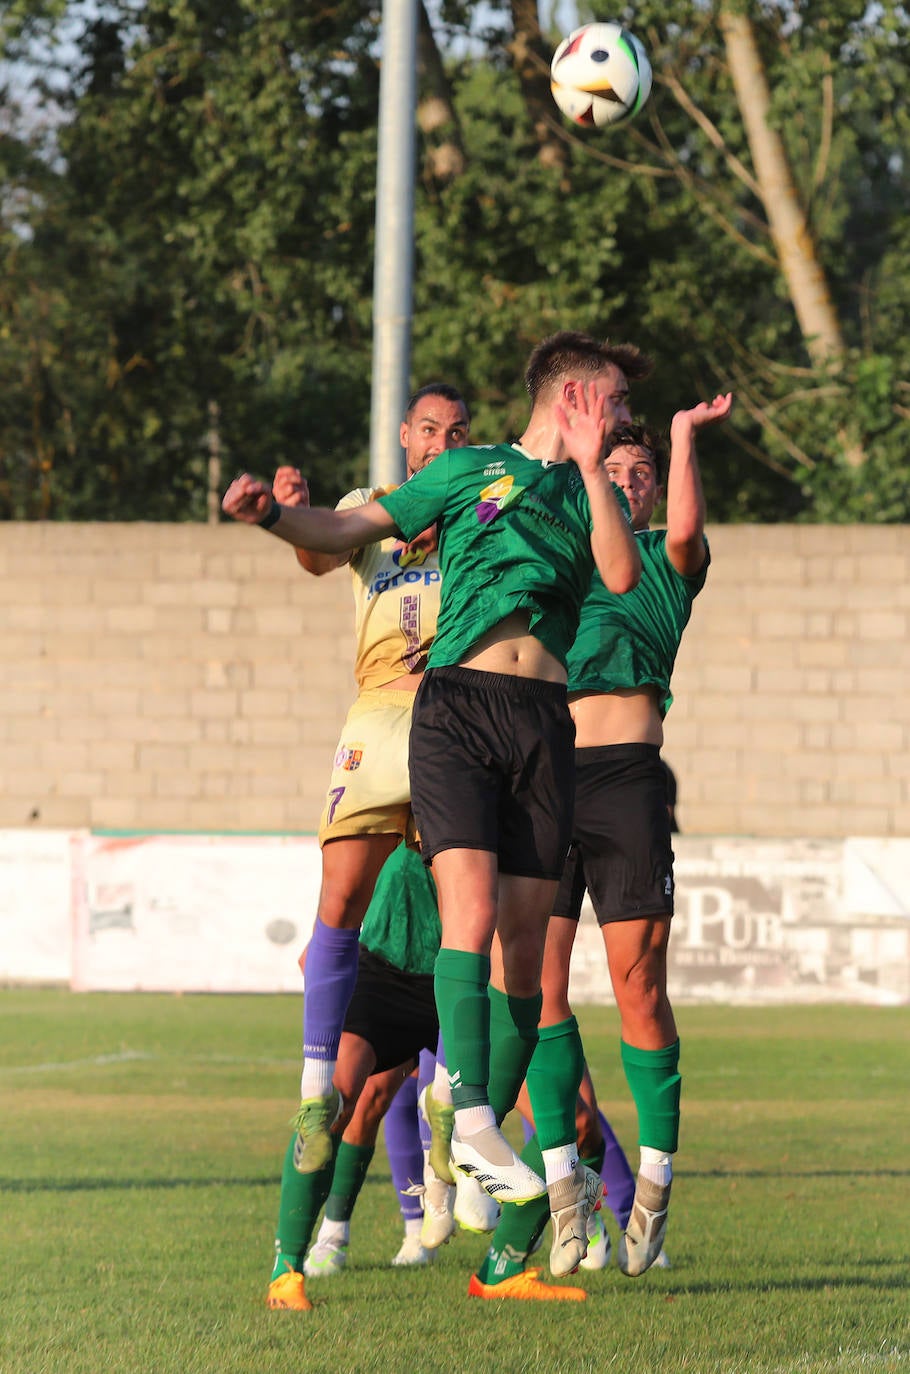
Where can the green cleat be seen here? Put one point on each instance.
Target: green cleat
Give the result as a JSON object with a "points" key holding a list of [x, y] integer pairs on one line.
{"points": [[313, 1124], [440, 1118]]}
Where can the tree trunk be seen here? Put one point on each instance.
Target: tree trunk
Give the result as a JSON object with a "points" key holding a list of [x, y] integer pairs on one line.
{"points": [[803, 273], [437, 118], [531, 58]]}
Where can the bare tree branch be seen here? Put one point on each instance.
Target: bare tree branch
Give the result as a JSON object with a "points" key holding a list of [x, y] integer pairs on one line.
{"points": [[710, 130]]}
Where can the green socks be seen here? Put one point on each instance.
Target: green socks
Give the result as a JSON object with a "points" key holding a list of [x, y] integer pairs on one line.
{"points": [[351, 1166], [654, 1081], [513, 1041], [302, 1196], [554, 1078], [460, 985], [519, 1228]]}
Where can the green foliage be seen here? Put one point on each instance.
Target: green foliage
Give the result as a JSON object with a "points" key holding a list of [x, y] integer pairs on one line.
{"points": [[194, 235]]}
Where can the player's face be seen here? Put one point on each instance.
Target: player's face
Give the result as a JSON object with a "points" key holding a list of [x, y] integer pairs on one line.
{"points": [[614, 388], [633, 471], [435, 424]]}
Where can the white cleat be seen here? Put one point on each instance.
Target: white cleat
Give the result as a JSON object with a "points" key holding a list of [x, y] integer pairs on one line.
{"points": [[599, 1245], [643, 1239], [489, 1158], [438, 1210], [572, 1200], [475, 1210], [326, 1257], [412, 1254]]}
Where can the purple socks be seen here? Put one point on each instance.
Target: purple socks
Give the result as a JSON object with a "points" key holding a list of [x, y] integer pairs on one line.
{"points": [[329, 978], [402, 1143]]}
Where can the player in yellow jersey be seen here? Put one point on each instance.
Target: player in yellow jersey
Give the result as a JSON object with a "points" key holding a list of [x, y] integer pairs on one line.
{"points": [[368, 804]]}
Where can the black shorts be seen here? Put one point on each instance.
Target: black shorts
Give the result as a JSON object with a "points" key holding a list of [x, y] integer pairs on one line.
{"points": [[492, 765], [394, 1011], [621, 848]]}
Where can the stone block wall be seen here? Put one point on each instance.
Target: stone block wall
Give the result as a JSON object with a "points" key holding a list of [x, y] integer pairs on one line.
{"points": [[188, 677]]}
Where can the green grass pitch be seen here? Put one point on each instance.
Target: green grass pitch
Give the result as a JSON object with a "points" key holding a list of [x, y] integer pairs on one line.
{"points": [[142, 1139]]}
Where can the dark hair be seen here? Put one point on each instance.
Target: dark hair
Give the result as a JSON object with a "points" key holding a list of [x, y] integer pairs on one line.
{"points": [[570, 352], [639, 436], [448, 393]]}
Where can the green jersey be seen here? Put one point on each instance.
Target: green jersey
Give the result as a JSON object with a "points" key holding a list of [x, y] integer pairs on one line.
{"points": [[401, 924], [632, 640], [514, 535]]}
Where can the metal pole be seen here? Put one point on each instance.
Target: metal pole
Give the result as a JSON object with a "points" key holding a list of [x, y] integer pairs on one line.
{"points": [[394, 252]]}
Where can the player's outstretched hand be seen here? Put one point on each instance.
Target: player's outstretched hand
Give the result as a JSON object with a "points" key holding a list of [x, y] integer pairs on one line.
{"points": [[705, 413], [247, 499], [583, 428], [289, 487]]}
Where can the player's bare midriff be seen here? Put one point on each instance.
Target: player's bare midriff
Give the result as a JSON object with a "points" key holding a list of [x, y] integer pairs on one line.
{"points": [[509, 648], [626, 716]]}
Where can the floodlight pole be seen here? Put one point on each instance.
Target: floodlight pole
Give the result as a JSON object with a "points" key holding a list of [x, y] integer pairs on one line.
{"points": [[393, 258]]}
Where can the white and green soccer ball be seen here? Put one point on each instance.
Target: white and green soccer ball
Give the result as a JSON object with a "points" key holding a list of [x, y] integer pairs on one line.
{"points": [[600, 75]]}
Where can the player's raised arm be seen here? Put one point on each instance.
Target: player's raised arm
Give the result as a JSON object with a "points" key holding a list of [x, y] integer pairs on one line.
{"points": [[583, 432], [290, 488], [685, 542], [306, 527]]}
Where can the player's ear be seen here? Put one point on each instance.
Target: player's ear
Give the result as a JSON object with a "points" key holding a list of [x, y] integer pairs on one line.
{"points": [[403, 434], [569, 395]]}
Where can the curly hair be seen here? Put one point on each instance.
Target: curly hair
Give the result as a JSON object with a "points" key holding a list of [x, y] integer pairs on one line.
{"points": [[648, 440]]}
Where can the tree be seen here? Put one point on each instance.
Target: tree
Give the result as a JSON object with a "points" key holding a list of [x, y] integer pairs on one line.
{"points": [[196, 240]]}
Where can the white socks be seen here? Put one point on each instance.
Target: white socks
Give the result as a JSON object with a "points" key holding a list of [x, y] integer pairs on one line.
{"points": [[656, 1166], [316, 1079], [559, 1162]]}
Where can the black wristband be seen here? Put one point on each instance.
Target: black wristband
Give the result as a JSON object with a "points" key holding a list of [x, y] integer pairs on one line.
{"points": [[271, 517]]}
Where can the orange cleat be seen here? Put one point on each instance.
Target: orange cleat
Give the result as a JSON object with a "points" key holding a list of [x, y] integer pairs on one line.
{"points": [[527, 1286], [287, 1292]]}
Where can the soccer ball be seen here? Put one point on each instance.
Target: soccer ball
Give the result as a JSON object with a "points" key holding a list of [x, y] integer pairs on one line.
{"points": [[600, 75]]}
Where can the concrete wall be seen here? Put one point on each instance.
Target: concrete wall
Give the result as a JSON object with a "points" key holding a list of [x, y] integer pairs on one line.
{"points": [[184, 677]]}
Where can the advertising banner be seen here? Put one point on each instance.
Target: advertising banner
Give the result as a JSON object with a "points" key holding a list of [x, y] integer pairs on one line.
{"points": [[191, 913], [35, 905], [763, 921]]}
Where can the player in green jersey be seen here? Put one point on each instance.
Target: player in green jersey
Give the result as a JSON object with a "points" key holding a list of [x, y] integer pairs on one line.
{"points": [[491, 758], [390, 1019], [619, 683]]}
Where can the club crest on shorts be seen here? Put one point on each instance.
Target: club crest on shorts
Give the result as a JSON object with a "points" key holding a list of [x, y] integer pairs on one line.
{"points": [[349, 757]]}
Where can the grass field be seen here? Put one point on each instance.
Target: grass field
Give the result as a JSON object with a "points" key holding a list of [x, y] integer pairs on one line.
{"points": [[142, 1139]]}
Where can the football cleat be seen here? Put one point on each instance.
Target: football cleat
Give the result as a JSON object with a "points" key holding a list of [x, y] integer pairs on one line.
{"points": [[327, 1257], [475, 1210], [412, 1254], [438, 1210], [642, 1241], [572, 1200], [313, 1123], [490, 1160], [440, 1118], [287, 1292], [599, 1244], [526, 1285]]}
